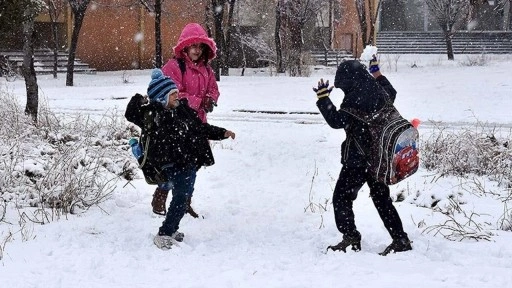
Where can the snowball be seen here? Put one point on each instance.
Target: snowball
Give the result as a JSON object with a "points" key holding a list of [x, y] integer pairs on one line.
{"points": [[368, 52]]}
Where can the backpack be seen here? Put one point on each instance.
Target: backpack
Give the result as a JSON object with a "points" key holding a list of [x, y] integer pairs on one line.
{"points": [[394, 153], [152, 173]]}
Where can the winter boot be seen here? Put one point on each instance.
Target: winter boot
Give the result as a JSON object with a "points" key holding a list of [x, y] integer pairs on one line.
{"points": [[190, 210], [348, 240], [158, 202], [398, 245], [165, 242], [178, 236]]}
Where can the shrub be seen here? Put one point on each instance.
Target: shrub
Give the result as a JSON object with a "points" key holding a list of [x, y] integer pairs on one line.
{"points": [[67, 166]]}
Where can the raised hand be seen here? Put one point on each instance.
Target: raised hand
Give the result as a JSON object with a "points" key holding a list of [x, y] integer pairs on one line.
{"points": [[374, 65], [323, 89]]}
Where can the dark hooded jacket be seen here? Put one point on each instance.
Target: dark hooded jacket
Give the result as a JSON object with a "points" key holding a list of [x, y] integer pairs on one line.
{"points": [[175, 136], [362, 93]]}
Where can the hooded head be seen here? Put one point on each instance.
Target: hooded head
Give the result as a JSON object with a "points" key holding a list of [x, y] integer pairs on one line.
{"points": [[160, 87], [351, 74], [193, 33]]}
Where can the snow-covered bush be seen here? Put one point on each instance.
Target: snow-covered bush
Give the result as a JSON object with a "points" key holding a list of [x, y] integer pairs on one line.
{"points": [[476, 60], [460, 225], [505, 222], [66, 166], [469, 151], [474, 155]]}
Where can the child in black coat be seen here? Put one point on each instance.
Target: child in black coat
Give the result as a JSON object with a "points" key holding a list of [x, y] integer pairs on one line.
{"points": [[366, 93], [176, 142]]}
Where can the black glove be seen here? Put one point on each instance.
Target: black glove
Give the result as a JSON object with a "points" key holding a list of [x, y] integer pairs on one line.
{"points": [[374, 65], [323, 89], [139, 99], [207, 104]]}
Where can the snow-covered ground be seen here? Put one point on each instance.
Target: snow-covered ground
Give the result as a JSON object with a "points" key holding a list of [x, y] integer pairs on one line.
{"points": [[261, 225]]}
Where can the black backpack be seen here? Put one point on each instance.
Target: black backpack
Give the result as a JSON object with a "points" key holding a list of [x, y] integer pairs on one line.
{"points": [[394, 153], [152, 173]]}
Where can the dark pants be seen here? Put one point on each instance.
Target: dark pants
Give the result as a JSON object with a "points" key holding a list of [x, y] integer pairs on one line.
{"points": [[181, 181], [349, 183]]}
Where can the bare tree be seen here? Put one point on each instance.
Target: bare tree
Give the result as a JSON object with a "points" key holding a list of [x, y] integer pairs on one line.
{"points": [[158, 33], [54, 9], [78, 7], [506, 7], [155, 6], [277, 35], [448, 14], [20, 16], [31, 8], [367, 13], [294, 14], [222, 30]]}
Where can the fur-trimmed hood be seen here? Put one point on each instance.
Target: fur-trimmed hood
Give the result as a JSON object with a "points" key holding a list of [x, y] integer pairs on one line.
{"points": [[194, 33]]}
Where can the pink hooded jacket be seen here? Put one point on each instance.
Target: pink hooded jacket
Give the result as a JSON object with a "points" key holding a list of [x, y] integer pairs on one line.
{"points": [[198, 80]]}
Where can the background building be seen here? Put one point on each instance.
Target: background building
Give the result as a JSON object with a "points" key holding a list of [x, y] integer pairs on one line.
{"points": [[119, 34]]}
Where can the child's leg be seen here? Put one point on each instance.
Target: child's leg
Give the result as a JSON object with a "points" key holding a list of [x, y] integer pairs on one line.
{"points": [[159, 199], [183, 180], [162, 191]]}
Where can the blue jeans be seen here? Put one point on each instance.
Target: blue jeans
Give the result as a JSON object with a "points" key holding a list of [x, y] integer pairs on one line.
{"points": [[181, 180]]}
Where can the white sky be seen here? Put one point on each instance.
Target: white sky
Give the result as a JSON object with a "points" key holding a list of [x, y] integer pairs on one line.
{"points": [[256, 230]]}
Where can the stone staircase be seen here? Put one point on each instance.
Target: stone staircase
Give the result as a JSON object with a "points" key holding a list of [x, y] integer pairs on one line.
{"points": [[43, 62], [329, 57], [494, 42]]}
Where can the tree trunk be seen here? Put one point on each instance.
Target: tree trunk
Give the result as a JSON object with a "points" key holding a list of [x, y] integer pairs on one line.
{"points": [[28, 70], [208, 20], [296, 49], [52, 11], [78, 15], [277, 37], [158, 33], [449, 45], [295, 25], [218, 16], [374, 7], [329, 39], [55, 50], [77, 23], [227, 42], [363, 23]]}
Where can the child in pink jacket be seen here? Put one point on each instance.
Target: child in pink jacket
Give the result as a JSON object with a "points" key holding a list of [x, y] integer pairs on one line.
{"points": [[195, 78], [191, 71]]}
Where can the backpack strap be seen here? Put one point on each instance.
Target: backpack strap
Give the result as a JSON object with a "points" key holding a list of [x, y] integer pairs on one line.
{"points": [[147, 129], [357, 114], [387, 111]]}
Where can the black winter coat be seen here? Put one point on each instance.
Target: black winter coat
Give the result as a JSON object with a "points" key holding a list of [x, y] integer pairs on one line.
{"points": [[175, 136], [363, 93]]}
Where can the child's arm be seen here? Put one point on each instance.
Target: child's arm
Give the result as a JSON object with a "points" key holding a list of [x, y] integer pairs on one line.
{"points": [[336, 119], [384, 82], [381, 79], [134, 111], [216, 133]]}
